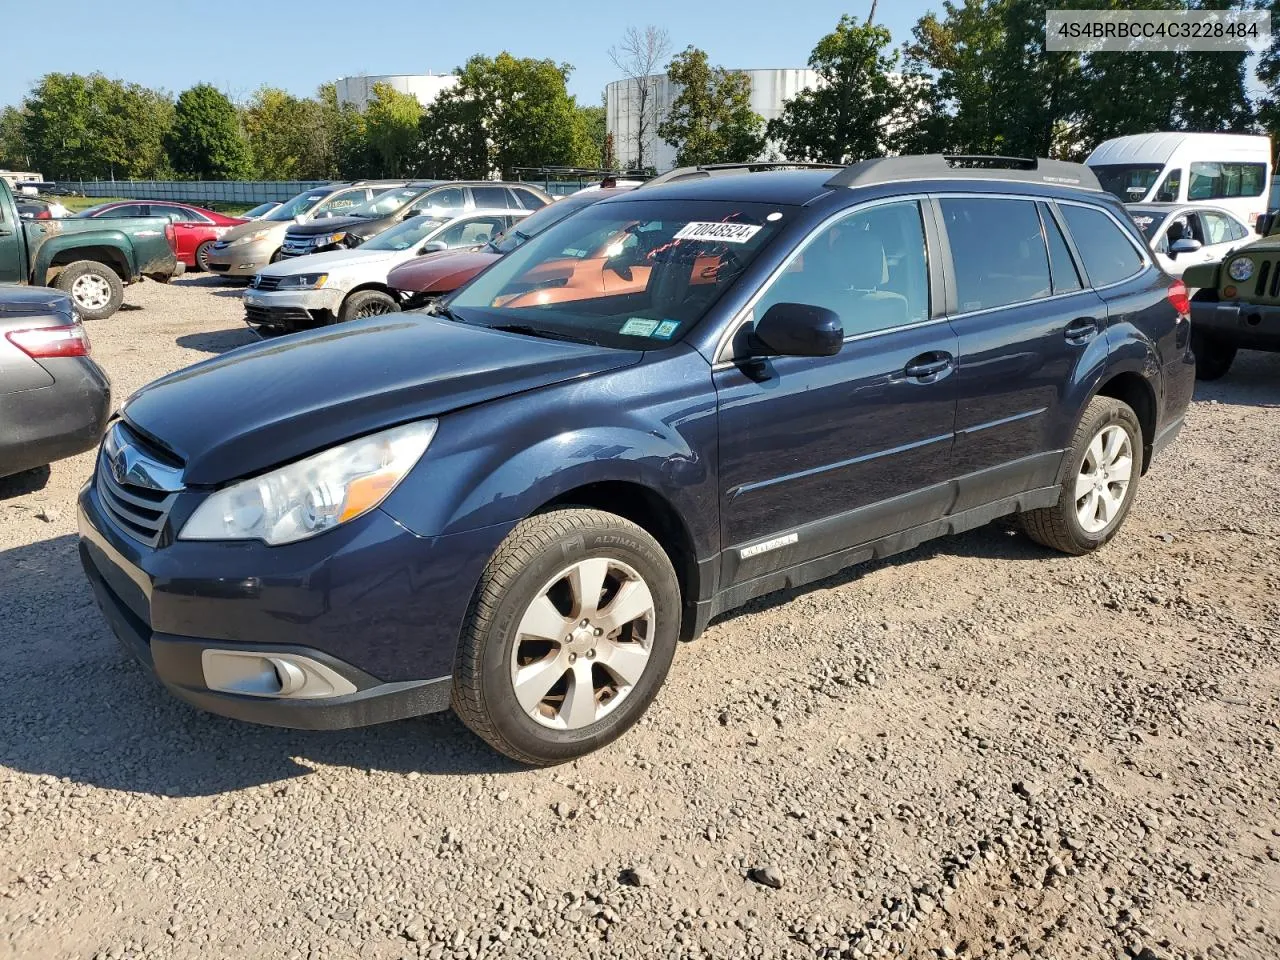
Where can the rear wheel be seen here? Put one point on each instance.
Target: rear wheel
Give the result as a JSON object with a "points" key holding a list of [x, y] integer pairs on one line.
{"points": [[569, 636], [202, 255], [367, 303], [1100, 483], [1213, 357], [94, 287]]}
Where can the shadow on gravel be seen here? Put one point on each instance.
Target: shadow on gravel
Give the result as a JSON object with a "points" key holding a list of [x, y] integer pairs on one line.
{"points": [[1254, 380], [218, 341], [218, 286], [73, 704], [29, 481]]}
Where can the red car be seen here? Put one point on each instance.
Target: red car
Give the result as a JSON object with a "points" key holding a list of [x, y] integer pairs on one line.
{"points": [[195, 230]]}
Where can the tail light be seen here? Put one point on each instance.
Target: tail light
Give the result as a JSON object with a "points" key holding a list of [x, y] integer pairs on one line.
{"points": [[44, 214], [43, 343], [171, 235], [1178, 297]]}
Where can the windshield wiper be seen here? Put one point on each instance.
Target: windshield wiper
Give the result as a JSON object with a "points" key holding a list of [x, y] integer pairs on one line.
{"points": [[441, 309], [531, 331]]}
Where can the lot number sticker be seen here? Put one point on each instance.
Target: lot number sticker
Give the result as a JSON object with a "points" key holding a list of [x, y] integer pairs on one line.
{"points": [[721, 232]]}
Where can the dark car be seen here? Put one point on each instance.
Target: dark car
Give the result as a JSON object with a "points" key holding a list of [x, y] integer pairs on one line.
{"points": [[54, 400], [517, 507], [431, 197], [435, 274]]}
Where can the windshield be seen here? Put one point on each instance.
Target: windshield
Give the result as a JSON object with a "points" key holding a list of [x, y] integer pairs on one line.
{"points": [[1128, 181], [634, 274], [405, 235], [384, 203], [299, 204], [534, 224], [258, 211]]}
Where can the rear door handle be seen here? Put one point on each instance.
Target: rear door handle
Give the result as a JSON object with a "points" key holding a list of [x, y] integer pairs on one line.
{"points": [[1081, 330], [929, 367]]}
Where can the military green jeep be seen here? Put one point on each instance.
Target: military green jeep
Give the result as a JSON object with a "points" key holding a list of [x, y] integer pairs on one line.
{"points": [[1237, 303]]}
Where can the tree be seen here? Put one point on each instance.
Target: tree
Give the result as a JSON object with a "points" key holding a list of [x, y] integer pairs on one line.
{"points": [[637, 56], [287, 136], [710, 120], [596, 126], [1214, 94], [392, 120], [58, 127], [206, 142], [505, 112], [348, 155], [1268, 71], [15, 154], [864, 105]]}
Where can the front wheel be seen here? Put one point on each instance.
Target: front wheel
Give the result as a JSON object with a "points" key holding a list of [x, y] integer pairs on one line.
{"points": [[1100, 484], [1213, 357], [367, 303], [94, 287], [202, 255], [569, 636]]}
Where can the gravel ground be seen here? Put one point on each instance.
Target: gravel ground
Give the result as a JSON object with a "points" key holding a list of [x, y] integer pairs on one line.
{"points": [[978, 749]]}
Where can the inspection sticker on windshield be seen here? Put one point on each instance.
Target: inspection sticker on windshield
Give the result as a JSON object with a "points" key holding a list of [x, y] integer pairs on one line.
{"points": [[638, 327], [722, 232], [666, 329]]}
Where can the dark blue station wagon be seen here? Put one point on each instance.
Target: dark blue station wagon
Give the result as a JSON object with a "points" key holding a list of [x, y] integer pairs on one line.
{"points": [[671, 402]]}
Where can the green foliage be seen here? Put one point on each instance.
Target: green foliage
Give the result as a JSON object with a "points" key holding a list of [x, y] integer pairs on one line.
{"points": [[288, 136], [861, 109], [710, 119], [595, 125], [15, 154], [391, 125], [505, 112], [206, 142]]}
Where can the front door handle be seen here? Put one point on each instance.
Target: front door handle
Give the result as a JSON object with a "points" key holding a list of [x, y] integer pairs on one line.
{"points": [[1081, 330], [929, 367]]}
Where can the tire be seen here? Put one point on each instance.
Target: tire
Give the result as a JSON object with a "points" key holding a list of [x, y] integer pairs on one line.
{"points": [[277, 256], [1213, 357], [1063, 526], [367, 303], [202, 256], [94, 287], [532, 579]]}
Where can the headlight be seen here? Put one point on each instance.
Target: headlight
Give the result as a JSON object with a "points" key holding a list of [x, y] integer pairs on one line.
{"points": [[315, 494], [303, 281], [1240, 268], [250, 238], [329, 239]]}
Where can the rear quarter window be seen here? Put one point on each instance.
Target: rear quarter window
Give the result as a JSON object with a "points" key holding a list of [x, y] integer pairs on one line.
{"points": [[1108, 254]]}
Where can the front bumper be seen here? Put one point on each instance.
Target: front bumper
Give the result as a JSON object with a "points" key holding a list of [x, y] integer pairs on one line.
{"points": [[244, 260], [1248, 325], [286, 310], [376, 605]]}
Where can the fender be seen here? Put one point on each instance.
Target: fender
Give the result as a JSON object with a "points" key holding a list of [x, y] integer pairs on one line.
{"points": [[48, 243], [502, 461], [1202, 275]]}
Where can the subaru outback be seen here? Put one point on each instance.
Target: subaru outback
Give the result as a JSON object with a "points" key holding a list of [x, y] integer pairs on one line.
{"points": [[517, 504]]}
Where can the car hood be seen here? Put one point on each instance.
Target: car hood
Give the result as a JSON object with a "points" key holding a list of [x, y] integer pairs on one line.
{"points": [[275, 401], [253, 226], [328, 225], [332, 260], [440, 272]]}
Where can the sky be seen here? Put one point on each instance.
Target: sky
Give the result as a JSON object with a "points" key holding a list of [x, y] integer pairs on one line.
{"points": [[239, 47]]}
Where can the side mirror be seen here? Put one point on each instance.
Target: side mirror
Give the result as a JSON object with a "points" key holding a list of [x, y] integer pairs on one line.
{"points": [[1264, 224], [301, 218], [1185, 245], [799, 330], [433, 246]]}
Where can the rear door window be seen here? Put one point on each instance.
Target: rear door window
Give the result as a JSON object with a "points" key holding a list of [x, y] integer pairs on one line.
{"points": [[1219, 228], [1105, 248], [528, 199], [998, 251], [492, 198]]}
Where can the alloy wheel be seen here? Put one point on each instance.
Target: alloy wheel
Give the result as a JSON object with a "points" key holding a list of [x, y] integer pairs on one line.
{"points": [[1104, 478], [91, 292], [583, 643]]}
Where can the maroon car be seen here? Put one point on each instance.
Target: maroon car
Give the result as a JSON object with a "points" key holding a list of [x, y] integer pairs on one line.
{"points": [[423, 279]]}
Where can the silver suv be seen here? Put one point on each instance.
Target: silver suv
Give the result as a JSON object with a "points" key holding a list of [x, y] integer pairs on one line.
{"points": [[244, 250]]}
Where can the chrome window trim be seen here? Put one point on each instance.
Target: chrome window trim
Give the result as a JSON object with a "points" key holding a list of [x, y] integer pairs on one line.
{"points": [[719, 358]]}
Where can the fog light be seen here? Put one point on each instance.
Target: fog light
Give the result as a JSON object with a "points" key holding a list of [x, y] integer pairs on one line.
{"points": [[1228, 291], [278, 675], [247, 266]]}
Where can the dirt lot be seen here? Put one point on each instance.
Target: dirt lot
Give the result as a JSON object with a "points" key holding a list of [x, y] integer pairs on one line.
{"points": [[978, 749]]}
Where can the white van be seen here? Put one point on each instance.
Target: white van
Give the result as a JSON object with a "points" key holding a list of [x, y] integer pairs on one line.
{"points": [[1227, 170]]}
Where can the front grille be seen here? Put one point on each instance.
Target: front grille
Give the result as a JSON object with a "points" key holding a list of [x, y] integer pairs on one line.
{"points": [[290, 318], [266, 283], [139, 511], [297, 246], [220, 267]]}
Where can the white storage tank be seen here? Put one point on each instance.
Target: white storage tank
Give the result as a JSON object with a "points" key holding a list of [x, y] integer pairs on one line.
{"points": [[358, 91]]}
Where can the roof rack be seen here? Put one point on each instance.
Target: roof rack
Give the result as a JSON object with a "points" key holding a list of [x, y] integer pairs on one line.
{"points": [[723, 169], [367, 183], [938, 166]]}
